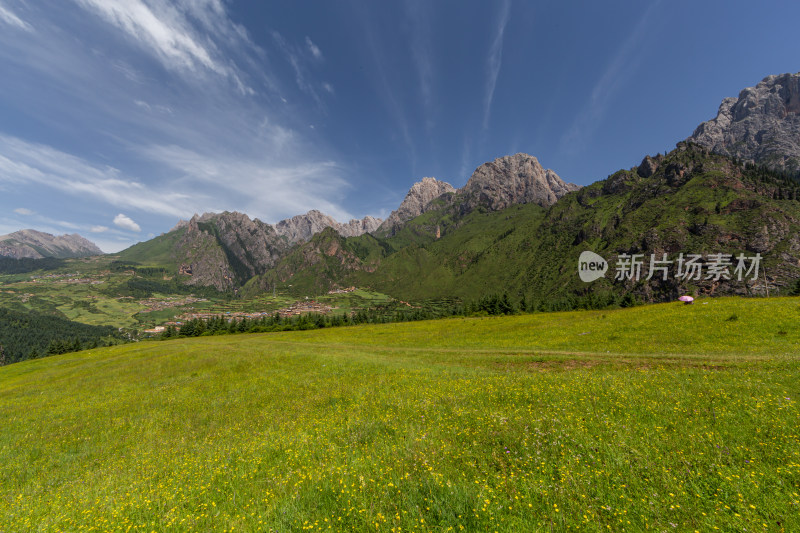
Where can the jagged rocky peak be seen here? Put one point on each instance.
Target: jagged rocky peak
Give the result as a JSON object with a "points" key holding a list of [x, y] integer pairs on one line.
{"points": [[513, 179], [230, 222], [181, 224], [36, 245], [226, 249], [301, 228], [421, 193], [416, 202], [357, 227], [761, 125]]}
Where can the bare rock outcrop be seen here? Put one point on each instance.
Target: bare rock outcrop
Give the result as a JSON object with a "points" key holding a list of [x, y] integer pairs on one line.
{"points": [[357, 227], [761, 125], [415, 203], [510, 180], [506, 181], [226, 249], [649, 165], [301, 228]]}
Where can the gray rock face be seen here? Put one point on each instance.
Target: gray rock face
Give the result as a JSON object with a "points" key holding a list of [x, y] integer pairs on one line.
{"points": [[649, 165], [509, 180], [356, 227], [36, 245], [762, 125], [415, 203], [301, 228], [225, 248], [513, 179]]}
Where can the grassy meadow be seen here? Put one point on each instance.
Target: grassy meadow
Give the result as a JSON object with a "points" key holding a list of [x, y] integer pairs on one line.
{"points": [[662, 418]]}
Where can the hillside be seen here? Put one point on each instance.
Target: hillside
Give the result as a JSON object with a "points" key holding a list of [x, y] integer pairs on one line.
{"points": [[226, 250], [221, 250], [28, 334], [518, 228], [472, 244], [662, 417], [229, 250], [690, 201]]}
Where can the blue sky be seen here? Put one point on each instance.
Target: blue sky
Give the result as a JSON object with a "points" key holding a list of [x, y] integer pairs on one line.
{"points": [[119, 117]]}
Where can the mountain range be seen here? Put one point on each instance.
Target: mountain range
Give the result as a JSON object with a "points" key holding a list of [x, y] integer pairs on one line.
{"points": [[226, 250], [28, 243], [731, 187]]}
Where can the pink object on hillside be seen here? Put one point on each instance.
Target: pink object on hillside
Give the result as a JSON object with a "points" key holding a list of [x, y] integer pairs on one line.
{"points": [[686, 299]]}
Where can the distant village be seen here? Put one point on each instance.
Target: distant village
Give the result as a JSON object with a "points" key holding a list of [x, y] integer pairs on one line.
{"points": [[68, 278], [296, 309], [159, 304]]}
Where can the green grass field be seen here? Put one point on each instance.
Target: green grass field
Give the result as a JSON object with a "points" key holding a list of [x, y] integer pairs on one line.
{"points": [[662, 418]]}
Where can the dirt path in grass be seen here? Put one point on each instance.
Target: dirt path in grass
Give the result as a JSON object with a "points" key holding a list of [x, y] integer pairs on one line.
{"points": [[537, 359]]}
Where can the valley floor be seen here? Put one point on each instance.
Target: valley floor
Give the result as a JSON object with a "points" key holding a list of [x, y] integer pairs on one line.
{"points": [[666, 417]]}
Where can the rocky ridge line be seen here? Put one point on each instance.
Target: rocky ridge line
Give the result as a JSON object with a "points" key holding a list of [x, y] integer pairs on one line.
{"points": [[28, 243], [761, 125]]}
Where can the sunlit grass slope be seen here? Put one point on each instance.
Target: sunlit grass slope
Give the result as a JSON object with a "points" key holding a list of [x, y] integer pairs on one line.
{"points": [[668, 417]]}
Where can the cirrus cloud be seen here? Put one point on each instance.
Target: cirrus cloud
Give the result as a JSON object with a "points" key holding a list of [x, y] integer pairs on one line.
{"points": [[165, 29], [10, 18]]}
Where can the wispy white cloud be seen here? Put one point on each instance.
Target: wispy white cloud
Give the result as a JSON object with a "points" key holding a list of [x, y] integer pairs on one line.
{"points": [[271, 192], [40, 223], [155, 108], [9, 17], [163, 28], [143, 147], [23, 211], [294, 57], [314, 49], [98, 229], [383, 87], [25, 164], [126, 222], [616, 75], [418, 12], [495, 60]]}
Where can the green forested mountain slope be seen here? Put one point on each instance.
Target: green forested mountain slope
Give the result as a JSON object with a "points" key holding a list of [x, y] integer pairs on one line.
{"points": [[690, 201], [27, 333]]}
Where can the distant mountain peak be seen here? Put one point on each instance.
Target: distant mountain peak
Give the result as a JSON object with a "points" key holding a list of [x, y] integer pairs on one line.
{"points": [[419, 196], [300, 228], [513, 179], [508, 180], [36, 245], [226, 249], [761, 125]]}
